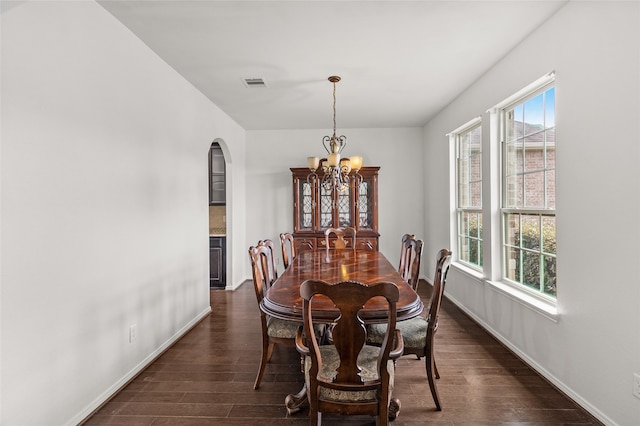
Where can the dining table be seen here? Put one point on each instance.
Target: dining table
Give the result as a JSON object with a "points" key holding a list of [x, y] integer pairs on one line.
{"points": [[283, 299]]}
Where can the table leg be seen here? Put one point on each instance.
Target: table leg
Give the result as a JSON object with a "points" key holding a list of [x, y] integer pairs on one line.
{"points": [[294, 403]]}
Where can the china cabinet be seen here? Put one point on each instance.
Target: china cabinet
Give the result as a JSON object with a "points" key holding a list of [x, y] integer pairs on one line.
{"points": [[316, 208]]}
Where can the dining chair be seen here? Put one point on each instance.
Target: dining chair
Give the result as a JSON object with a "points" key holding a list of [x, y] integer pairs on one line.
{"points": [[410, 266], [273, 267], [348, 376], [340, 233], [419, 332], [404, 251], [274, 330], [290, 247], [409, 269]]}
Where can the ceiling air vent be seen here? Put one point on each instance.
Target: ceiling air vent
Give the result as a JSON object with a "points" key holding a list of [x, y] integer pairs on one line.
{"points": [[254, 82]]}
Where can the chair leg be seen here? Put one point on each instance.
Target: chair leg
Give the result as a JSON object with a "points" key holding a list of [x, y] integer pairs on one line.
{"points": [[435, 367], [315, 417], [267, 350], [270, 351], [430, 365], [383, 414]]}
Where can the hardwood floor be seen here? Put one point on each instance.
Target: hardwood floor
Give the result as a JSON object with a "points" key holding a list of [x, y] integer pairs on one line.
{"points": [[207, 378]]}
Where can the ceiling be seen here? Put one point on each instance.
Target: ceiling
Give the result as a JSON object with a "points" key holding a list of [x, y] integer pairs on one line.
{"points": [[401, 62]]}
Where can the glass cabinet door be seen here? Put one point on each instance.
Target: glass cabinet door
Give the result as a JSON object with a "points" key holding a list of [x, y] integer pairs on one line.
{"points": [[326, 208], [335, 208], [306, 205], [364, 205], [343, 207]]}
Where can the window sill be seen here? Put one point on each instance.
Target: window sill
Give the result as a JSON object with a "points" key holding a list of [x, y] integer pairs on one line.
{"points": [[470, 272], [543, 307]]}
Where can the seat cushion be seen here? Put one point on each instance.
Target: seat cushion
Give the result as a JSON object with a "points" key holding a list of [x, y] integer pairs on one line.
{"points": [[280, 328], [367, 360], [414, 332], [284, 329]]}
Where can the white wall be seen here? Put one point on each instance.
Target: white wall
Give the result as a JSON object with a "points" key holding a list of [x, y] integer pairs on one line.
{"points": [[104, 207], [398, 152], [594, 348]]}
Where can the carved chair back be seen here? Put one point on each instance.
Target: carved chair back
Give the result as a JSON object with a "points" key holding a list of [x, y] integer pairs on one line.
{"points": [[404, 252], [263, 267], [340, 234], [443, 261], [349, 337], [291, 247], [410, 258]]}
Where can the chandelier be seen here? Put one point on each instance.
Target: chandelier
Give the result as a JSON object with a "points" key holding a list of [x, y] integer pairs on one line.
{"points": [[338, 172]]}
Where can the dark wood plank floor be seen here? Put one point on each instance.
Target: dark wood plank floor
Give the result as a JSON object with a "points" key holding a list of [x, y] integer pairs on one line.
{"points": [[207, 378]]}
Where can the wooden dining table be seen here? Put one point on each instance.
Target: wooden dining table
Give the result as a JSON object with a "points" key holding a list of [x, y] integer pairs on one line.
{"points": [[283, 300]]}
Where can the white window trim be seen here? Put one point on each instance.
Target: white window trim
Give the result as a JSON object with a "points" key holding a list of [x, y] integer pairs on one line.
{"points": [[538, 302], [469, 271], [547, 308], [453, 193], [542, 81]]}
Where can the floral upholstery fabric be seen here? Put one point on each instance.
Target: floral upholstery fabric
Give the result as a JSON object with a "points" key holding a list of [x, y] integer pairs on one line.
{"points": [[367, 360], [284, 329], [414, 332]]}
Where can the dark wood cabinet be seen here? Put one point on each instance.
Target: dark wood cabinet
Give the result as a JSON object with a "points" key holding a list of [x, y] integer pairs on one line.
{"points": [[316, 208], [217, 262], [217, 177]]}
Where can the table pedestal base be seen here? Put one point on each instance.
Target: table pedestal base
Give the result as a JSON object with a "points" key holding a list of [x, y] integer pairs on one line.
{"points": [[394, 408], [294, 403]]}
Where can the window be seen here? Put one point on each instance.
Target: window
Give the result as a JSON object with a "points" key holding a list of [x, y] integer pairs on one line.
{"points": [[527, 128], [468, 151]]}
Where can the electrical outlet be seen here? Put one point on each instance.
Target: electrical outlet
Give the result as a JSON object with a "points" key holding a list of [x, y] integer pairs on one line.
{"points": [[636, 385], [133, 333], [224, 219]]}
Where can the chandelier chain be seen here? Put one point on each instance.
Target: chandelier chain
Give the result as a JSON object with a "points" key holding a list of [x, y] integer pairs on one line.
{"points": [[334, 109]]}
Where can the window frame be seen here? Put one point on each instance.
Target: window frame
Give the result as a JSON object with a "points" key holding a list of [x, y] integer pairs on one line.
{"points": [[456, 235], [521, 97]]}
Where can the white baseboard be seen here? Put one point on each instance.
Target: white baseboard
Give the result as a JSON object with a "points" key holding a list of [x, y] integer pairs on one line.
{"points": [[113, 389]]}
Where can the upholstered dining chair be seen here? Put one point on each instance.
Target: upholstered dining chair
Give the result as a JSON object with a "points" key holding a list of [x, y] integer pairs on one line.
{"points": [[290, 247], [274, 330], [273, 268], [348, 376], [419, 332], [340, 234], [403, 268], [409, 269], [410, 258]]}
